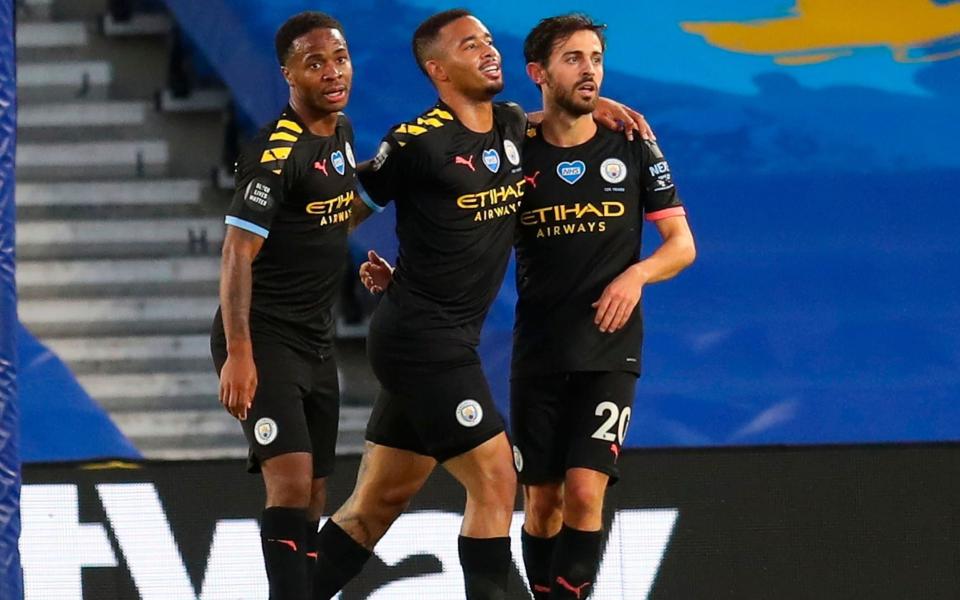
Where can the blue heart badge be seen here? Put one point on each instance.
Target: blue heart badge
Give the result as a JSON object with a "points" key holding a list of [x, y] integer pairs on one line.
{"points": [[571, 172], [337, 159], [491, 158]]}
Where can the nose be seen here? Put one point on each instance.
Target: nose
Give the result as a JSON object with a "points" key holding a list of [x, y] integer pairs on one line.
{"points": [[332, 71]]}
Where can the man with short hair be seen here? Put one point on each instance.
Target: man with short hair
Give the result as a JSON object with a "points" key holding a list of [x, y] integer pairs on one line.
{"points": [[454, 173], [283, 259], [578, 332]]}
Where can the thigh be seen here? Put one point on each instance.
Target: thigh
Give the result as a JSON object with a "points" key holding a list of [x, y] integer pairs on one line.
{"points": [[321, 407], [536, 421], [602, 403], [276, 423]]}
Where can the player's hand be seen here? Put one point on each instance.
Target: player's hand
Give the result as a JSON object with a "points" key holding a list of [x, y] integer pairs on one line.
{"points": [[619, 117], [238, 382], [618, 301], [376, 274]]}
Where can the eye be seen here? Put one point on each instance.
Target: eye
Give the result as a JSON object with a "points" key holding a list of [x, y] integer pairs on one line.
{"points": [[315, 66], [597, 60], [342, 60], [471, 46]]}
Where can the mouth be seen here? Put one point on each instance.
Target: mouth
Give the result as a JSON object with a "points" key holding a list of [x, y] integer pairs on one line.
{"points": [[336, 94], [587, 87], [491, 70]]}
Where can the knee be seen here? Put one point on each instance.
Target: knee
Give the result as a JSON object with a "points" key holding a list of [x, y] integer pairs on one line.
{"points": [[381, 505], [498, 486], [582, 500], [290, 492], [543, 508]]}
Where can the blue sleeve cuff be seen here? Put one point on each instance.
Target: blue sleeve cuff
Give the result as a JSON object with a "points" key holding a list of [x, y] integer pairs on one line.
{"points": [[247, 226], [368, 200]]}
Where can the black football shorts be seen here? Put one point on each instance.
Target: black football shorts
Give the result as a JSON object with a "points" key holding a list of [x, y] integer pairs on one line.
{"points": [[434, 397], [566, 420], [296, 407]]}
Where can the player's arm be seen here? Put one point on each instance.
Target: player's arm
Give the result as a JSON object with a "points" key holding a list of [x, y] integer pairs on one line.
{"points": [[238, 377], [676, 252], [616, 116], [259, 191], [612, 115], [362, 206]]}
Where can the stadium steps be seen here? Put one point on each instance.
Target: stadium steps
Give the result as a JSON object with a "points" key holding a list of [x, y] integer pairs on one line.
{"points": [[118, 232]]}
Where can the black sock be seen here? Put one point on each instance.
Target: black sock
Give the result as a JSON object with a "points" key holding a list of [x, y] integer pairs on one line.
{"points": [[537, 554], [486, 567], [576, 561], [339, 559], [282, 539], [310, 551]]}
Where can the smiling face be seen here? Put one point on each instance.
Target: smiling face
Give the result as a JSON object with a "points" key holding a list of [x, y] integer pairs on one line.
{"points": [[572, 76], [464, 56], [319, 71]]}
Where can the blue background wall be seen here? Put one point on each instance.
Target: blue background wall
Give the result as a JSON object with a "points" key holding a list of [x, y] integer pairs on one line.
{"points": [[817, 145]]}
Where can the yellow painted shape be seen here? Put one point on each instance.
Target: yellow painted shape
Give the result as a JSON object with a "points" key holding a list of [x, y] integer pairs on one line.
{"points": [[283, 136], [440, 113], [411, 129], [430, 122], [289, 125], [113, 464], [823, 27], [275, 154]]}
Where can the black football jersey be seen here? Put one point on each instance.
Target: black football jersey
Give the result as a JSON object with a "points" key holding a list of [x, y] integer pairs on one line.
{"points": [[579, 228], [295, 189], [457, 196]]}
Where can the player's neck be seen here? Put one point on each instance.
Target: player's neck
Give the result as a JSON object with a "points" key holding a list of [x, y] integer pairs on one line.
{"points": [[320, 123], [563, 129], [475, 115]]}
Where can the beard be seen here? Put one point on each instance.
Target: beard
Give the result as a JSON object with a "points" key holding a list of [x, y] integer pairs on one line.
{"points": [[572, 102]]}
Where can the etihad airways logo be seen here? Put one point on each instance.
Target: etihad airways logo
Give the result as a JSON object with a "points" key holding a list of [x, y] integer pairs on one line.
{"points": [[493, 203], [562, 219], [334, 210]]}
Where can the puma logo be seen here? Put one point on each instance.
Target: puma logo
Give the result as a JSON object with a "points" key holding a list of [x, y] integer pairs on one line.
{"points": [[532, 179], [465, 161], [291, 543], [578, 590], [321, 166]]}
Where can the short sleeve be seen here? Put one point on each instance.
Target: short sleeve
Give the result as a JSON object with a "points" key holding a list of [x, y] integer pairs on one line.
{"points": [[258, 192], [383, 179], [519, 114], [660, 199]]}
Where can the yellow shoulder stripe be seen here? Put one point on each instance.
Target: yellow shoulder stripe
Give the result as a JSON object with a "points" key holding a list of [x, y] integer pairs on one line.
{"points": [[289, 125], [283, 136], [278, 171], [429, 121], [440, 113], [275, 154], [411, 129]]}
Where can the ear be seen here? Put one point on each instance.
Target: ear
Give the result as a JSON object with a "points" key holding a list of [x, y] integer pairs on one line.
{"points": [[286, 75], [436, 71], [536, 73]]}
